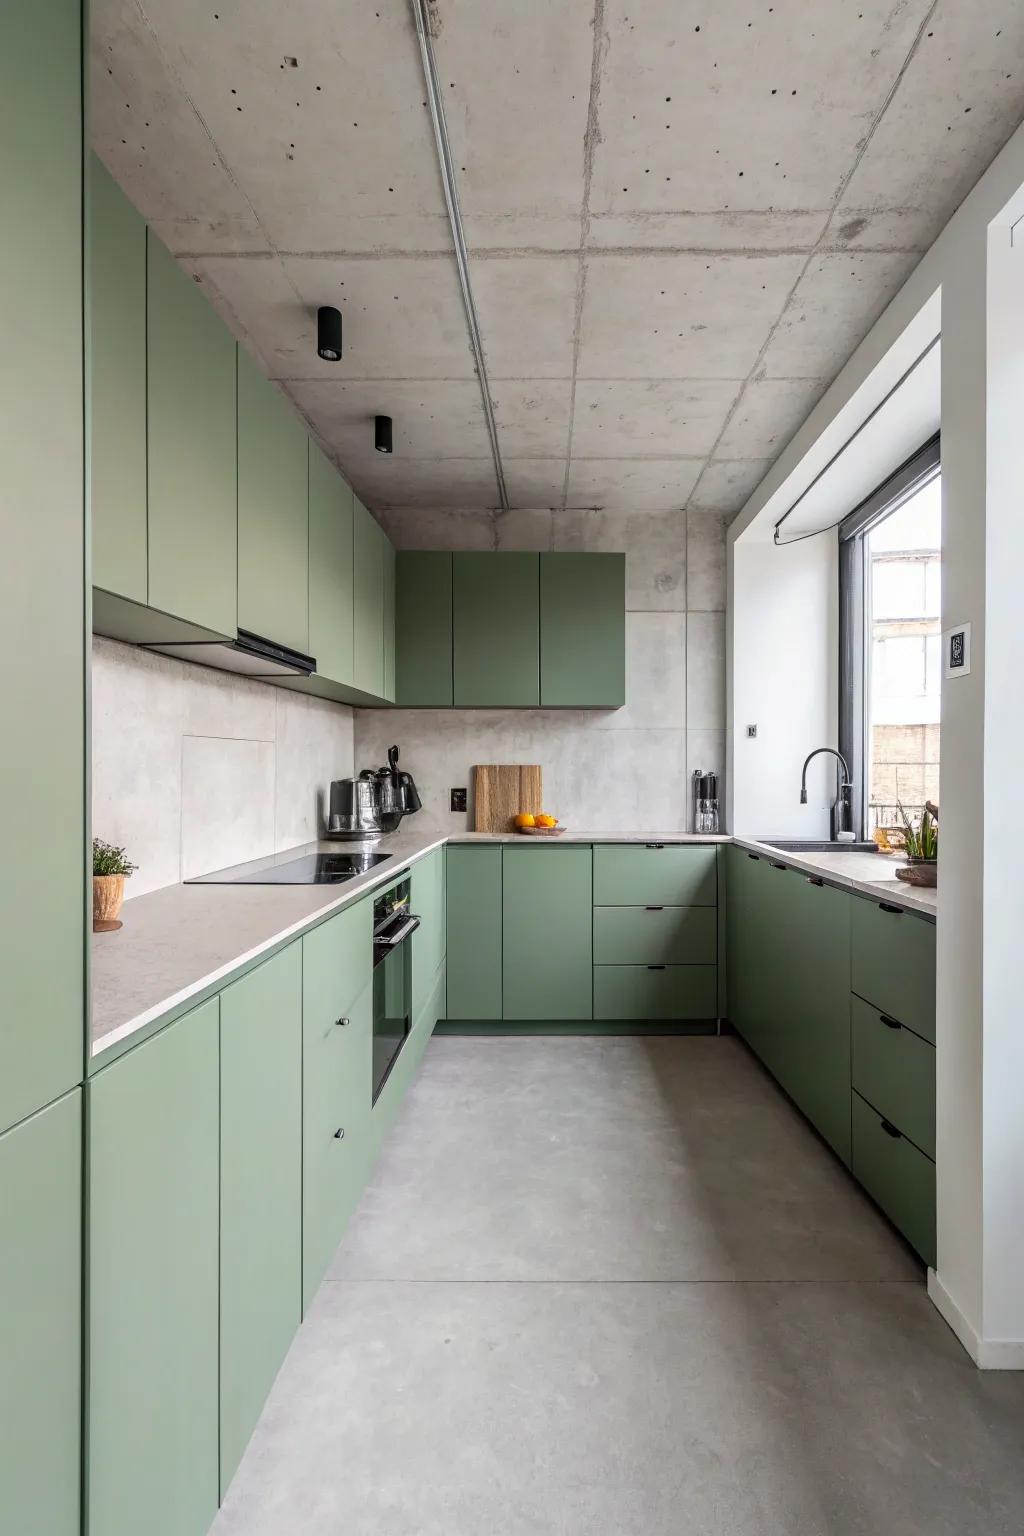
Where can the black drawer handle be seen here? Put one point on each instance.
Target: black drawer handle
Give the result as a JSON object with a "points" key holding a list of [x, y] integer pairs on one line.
{"points": [[778, 866], [655, 967], [890, 1130], [340, 1023], [755, 856], [654, 909], [814, 880], [654, 845], [339, 1134], [883, 1018], [885, 906]]}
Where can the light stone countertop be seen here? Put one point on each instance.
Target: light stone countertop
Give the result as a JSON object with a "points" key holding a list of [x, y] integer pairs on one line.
{"points": [[181, 943]]}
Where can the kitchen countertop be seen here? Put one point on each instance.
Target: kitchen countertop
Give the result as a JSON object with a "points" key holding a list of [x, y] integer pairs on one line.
{"points": [[180, 943]]}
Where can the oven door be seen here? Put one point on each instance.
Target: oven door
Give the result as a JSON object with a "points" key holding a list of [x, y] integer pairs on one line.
{"points": [[392, 992]]}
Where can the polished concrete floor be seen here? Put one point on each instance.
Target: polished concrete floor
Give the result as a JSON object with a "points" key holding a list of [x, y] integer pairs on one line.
{"points": [[617, 1287]]}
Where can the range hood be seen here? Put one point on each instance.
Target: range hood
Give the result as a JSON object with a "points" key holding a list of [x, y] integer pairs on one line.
{"points": [[248, 655]]}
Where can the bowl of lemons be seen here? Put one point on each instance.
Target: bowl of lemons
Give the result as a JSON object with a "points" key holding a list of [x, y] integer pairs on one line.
{"points": [[537, 824]]}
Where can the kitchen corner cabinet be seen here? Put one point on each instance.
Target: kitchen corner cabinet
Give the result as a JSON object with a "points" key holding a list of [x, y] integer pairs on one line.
{"points": [[261, 1190], [547, 915], [152, 1391], [116, 386], [331, 630], [368, 566], [474, 933], [496, 630], [40, 1322], [192, 437], [273, 512], [582, 631], [423, 628]]}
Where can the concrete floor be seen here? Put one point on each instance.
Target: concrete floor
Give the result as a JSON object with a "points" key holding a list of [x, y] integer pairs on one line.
{"points": [[618, 1287]]}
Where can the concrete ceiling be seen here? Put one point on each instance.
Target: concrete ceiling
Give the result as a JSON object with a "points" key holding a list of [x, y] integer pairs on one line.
{"points": [[682, 217]]}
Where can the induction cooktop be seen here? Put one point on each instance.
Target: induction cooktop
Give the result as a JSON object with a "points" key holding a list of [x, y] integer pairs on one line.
{"points": [[310, 869]]}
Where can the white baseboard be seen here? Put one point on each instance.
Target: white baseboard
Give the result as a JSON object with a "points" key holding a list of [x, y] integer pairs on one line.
{"points": [[987, 1354]]}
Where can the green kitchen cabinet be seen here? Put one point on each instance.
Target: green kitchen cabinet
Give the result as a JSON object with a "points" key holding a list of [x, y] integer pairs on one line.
{"points": [[894, 963], [40, 1322], [583, 631], [153, 1122], [474, 933], [632, 993], [423, 628], [368, 565], [496, 630], [897, 1175], [389, 616], [427, 901], [192, 438], [273, 512], [817, 1067], [665, 874], [43, 569], [763, 949], [260, 1190], [894, 1070], [655, 935], [116, 386], [331, 628], [547, 948]]}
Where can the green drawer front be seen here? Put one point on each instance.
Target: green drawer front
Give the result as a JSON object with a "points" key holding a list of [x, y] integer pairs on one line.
{"points": [[337, 960], [894, 1069], [654, 875], [660, 992], [655, 935], [895, 1174], [893, 964]]}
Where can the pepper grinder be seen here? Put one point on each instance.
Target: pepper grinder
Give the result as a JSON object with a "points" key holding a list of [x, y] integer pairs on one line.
{"points": [[705, 801]]}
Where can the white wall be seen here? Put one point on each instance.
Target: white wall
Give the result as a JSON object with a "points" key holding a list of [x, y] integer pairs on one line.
{"points": [[193, 769]]}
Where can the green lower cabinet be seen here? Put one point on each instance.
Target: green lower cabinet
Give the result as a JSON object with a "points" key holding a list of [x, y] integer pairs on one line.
{"points": [[583, 631], [496, 630], [153, 1122], [817, 1067], [261, 1190], [547, 943], [656, 992], [423, 628], [894, 963], [474, 933], [40, 1322], [427, 901], [655, 935], [897, 1175], [894, 1069], [636, 875]]}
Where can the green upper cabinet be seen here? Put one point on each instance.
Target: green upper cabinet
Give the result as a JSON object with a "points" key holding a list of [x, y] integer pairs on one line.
{"points": [[273, 512], [331, 631], [368, 564], [116, 386], [261, 1190], [40, 1322], [583, 631], [192, 437], [474, 932], [388, 615], [154, 1216], [547, 911], [496, 630], [423, 628]]}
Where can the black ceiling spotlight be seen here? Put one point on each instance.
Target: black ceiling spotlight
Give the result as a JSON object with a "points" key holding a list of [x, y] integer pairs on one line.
{"points": [[382, 434], [328, 333]]}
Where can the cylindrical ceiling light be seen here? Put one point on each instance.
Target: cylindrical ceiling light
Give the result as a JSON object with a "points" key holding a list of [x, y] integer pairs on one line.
{"points": [[382, 434], [328, 333]]}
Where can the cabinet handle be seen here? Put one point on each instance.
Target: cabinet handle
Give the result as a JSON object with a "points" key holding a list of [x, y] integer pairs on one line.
{"points": [[755, 856], [890, 1130], [814, 880], [654, 845], [340, 1023], [655, 967], [885, 906], [654, 909], [884, 1018], [339, 1134], [777, 866]]}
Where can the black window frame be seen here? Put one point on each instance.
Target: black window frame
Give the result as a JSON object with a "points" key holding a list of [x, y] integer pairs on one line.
{"points": [[913, 475]]}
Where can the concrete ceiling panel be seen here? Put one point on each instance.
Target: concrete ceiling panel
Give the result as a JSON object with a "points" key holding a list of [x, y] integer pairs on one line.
{"points": [[535, 482], [532, 416], [632, 485], [836, 302], [526, 307], [782, 229], [728, 106], [382, 481], [682, 316], [432, 418], [768, 413], [727, 483], [652, 418], [439, 528]]}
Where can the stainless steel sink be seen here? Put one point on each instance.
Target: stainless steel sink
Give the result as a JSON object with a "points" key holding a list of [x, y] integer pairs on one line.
{"points": [[809, 845]]}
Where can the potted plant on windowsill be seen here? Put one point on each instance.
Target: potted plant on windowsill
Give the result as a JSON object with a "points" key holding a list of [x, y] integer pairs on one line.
{"points": [[110, 868], [921, 845]]}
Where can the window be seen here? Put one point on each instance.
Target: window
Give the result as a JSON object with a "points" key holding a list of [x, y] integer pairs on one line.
{"points": [[890, 644]]}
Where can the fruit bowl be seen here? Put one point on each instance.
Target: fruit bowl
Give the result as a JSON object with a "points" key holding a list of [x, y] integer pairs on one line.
{"points": [[539, 831]]}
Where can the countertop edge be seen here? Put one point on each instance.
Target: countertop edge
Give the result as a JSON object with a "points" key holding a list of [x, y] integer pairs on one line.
{"points": [[893, 892]]}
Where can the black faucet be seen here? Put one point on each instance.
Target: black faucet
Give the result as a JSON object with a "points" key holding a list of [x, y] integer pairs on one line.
{"points": [[841, 810]]}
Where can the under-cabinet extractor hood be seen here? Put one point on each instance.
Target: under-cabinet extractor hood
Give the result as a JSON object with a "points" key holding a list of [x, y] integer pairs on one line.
{"points": [[248, 654]]}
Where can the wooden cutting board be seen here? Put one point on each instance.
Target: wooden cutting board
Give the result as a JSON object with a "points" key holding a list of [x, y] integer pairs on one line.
{"points": [[502, 790]]}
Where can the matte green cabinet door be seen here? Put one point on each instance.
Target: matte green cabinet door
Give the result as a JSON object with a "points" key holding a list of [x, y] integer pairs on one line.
{"points": [[547, 909], [896, 1174], [273, 512], [154, 1143], [819, 1066], [192, 450], [368, 560], [261, 1190], [42, 567], [496, 630], [331, 631], [116, 386], [427, 899], [423, 628], [474, 933], [40, 1322], [583, 630], [388, 560]]}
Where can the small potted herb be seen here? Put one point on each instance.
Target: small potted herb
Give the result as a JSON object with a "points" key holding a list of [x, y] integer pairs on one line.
{"points": [[110, 869], [921, 846]]}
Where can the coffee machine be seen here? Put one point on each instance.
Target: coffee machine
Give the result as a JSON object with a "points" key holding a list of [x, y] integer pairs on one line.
{"points": [[373, 803]]}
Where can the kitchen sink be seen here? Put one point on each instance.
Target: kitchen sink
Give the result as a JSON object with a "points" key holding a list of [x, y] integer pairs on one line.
{"points": [[810, 845]]}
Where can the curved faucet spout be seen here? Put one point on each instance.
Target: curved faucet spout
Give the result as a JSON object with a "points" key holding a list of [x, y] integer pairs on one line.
{"points": [[810, 756]]}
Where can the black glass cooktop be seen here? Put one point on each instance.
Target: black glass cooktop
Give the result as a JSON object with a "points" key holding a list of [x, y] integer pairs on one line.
{"points": [[310, 869]]}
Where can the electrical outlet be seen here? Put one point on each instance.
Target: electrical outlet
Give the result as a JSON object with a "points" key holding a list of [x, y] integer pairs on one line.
{"points": [[458, 799], [751, 731]]}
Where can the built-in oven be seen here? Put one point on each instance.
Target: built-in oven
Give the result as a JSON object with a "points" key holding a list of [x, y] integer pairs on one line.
{"points": [[393, 927]]}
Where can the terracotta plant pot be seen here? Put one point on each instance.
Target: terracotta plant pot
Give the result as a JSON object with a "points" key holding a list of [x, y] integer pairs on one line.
{"points": [[924, 872], [107, 896]]}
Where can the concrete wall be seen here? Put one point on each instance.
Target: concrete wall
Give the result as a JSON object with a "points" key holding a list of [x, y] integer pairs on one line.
{"points": [[626, 769], [193, 769]]}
